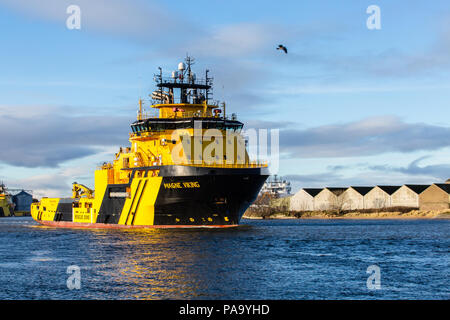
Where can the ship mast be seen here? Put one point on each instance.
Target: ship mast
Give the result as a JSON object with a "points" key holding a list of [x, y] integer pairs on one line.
{"points": [[140, 110], [191, 89]]}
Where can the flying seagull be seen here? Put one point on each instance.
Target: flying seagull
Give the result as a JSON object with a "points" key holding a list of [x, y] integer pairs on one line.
{"points": [[281, 47]]}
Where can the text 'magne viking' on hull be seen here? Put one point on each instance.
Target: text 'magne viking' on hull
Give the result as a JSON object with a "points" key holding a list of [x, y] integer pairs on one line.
{"points": [[186, 166]]}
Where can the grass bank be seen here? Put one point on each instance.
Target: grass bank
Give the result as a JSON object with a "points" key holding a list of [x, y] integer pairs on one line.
{"points": [[388, 214]]}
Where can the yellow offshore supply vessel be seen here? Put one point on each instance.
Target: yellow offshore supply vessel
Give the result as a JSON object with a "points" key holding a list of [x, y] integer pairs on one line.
{"points": [[187, 166], [6, 205]]}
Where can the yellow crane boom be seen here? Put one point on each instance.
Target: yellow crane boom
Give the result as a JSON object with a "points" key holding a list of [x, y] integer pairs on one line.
{"points": [[80, 190]]}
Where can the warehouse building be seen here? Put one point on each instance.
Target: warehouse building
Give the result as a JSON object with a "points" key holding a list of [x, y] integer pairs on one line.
{"points": [[22, 201], [435, 197], [424, 197], [407, 195], [329, 199], [304, 199], [379, 197], [353, 197], [338, 199]]}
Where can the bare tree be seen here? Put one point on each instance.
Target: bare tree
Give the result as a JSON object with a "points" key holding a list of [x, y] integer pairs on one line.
{"points": [[261, 207], [379, 203], [338, 201]]}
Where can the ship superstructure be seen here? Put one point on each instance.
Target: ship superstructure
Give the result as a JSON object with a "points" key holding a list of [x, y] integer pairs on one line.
{"points": [[186, 166]]}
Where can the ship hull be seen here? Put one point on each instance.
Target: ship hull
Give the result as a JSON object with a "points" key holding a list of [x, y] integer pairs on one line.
{"points": [[222, 200], [5, 209], [68, 224], [180, 197]]}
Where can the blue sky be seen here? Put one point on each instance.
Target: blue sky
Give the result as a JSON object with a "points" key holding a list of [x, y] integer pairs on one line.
{"points": [[354, 106]]}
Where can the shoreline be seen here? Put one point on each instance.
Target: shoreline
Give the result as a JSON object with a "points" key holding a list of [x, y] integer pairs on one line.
{"points": [[358, 215]]}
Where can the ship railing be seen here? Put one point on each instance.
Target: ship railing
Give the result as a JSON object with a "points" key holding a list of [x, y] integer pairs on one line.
{"points": [[182, 79], [193, 114], [182, 115], [150, 115], [189, 100], [141, 134], [251, 164], [105, 165]]}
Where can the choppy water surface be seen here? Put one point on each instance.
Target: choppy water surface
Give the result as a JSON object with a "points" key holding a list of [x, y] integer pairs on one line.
{"points": [[288, 259]]}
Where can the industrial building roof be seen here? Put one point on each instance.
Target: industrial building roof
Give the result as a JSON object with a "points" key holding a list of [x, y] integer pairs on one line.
{"points": [[362, 190], [336, 190], [444, 186], [23, 193], [389, 189], [417, 188], [312, 191]]}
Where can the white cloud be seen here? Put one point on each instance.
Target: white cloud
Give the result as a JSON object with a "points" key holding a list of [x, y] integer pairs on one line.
{"points": [[324, 88], [237, 40], [56, 182], [46, 136], [137, 19], [370, 136]]}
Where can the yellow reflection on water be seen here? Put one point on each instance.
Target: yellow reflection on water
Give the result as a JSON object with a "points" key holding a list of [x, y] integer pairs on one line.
{"points": [[161, 263]]}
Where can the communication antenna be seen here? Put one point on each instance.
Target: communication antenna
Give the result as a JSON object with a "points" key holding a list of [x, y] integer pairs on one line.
{"points": [[189, 62], [141, 85], [208, 82]]}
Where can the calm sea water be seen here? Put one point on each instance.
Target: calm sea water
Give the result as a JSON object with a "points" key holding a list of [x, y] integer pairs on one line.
{"points": [[287, 259]]}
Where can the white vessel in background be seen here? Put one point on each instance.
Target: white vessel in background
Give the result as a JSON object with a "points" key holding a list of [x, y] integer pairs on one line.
{"points": [[276, 187]]}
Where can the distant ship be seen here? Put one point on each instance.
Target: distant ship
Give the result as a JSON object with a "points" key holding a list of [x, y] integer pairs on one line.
{"points": [[6, 204], [277, 187], [164, 178]]}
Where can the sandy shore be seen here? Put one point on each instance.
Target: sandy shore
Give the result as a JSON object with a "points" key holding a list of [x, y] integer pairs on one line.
{"points": [[358, 215]]}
